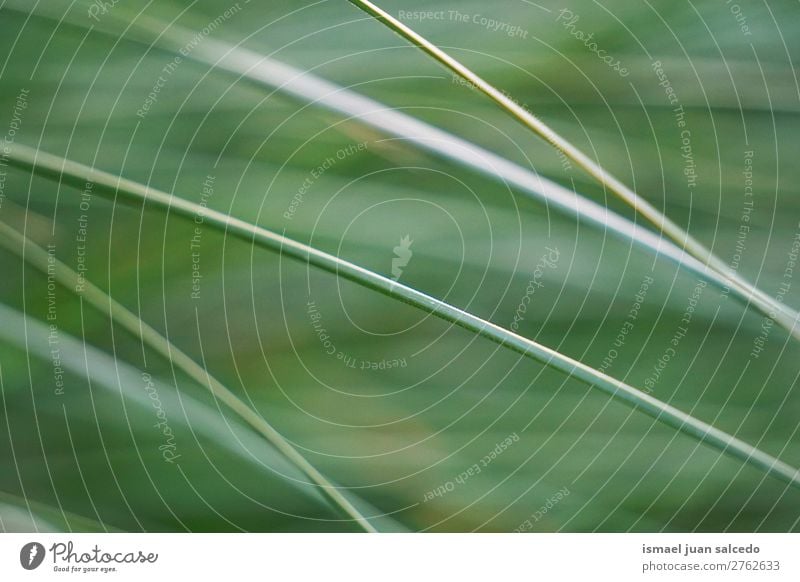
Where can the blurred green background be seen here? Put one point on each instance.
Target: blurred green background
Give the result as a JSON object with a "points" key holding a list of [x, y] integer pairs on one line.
{"points": [[89, 457]]}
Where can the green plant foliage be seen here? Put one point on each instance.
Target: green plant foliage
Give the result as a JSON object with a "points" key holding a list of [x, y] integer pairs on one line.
{"points": [[186, 177]]}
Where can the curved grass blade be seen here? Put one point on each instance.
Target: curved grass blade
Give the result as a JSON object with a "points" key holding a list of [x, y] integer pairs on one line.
{"points": [[307, 87], [111, 186], [772, 308], [113, 375], [38, 257]]}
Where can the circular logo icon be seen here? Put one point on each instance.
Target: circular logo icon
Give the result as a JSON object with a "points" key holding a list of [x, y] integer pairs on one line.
{"points": [[31, 555]]}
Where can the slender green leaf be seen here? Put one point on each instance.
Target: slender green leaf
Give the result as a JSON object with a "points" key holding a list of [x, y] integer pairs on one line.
{"points": [[38, 257], [307, 87], [111, 186], [115, 376], [774, 309]]}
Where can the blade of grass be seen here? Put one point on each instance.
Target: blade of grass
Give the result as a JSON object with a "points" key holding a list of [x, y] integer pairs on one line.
{"points": [[772, 308], [118, 313], [111, 186], [208, 422], [119, 378], [307, 87]]}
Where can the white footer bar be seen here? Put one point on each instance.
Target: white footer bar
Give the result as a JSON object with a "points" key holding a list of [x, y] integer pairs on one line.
{"points": [[357, 557]]}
